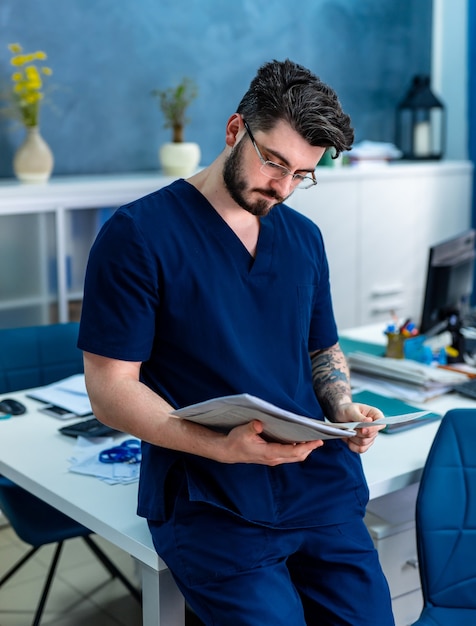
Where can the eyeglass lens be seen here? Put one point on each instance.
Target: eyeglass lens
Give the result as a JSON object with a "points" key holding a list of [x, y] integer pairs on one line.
{"points": [[276, 171]]}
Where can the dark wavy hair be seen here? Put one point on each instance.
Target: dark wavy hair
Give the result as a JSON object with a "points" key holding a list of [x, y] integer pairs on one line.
{"points": [[283, 90]]}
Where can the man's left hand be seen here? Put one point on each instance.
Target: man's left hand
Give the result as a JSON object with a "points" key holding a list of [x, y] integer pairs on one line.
{"points": [[356, 412]]}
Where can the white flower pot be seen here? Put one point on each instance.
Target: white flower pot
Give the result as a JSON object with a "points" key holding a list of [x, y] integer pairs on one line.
{"points": [[179, 159]]}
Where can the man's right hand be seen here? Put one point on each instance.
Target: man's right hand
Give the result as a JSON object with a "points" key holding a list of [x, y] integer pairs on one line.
{"points": [[244, 444]]}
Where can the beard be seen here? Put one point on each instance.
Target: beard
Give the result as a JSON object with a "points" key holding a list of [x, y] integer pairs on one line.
{"points": [[237, 186]]}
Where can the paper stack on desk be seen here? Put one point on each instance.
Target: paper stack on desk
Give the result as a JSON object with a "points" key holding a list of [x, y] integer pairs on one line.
{"points": [[403, 369], [69, 393], [85, 460], [413, 379]]}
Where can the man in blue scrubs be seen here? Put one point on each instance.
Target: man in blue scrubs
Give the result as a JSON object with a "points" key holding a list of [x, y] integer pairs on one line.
{"points": [[210, 287]]}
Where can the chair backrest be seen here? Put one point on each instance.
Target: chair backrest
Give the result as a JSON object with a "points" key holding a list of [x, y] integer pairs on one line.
{"points": [[38, 355], [35, 521], [446, 515]]}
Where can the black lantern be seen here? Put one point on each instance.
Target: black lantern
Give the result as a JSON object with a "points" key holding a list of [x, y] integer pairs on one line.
{"points": [[421, 123]]}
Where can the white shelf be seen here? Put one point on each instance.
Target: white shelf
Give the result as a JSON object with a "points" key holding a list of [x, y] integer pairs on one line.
{"points": [[77, 192], [378, 222], [54, 256]]}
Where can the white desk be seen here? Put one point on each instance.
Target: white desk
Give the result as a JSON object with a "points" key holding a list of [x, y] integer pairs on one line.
{"points": [[34, 455], [396, 460]]}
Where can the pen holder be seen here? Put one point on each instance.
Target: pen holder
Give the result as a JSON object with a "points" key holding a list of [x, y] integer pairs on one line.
{"points": [[395, 343]]}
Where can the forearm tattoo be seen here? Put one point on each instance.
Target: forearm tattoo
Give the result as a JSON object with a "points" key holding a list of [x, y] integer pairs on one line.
{"points": [[331, 379]]}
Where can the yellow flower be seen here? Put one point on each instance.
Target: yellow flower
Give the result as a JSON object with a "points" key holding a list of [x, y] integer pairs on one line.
{"points": [[15, 48], [19, 60], [33, 76], [27, 82]]}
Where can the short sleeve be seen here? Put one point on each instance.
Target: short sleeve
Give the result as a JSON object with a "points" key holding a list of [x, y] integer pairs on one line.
{"points": [[121, 293]]}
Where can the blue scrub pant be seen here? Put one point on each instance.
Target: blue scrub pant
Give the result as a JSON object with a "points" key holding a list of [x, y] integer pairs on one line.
{"points": [[234, 573]]}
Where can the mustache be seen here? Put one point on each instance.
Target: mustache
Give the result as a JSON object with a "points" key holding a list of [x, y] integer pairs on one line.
{"points": [[271, 193]]}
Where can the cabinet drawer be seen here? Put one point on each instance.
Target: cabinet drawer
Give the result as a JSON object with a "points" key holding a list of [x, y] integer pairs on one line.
{"points": [[398, 558], [407, 608], [391, 523]]}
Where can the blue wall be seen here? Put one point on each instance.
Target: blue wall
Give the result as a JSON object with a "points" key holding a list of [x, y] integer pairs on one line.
{"points": [[108, 54]]}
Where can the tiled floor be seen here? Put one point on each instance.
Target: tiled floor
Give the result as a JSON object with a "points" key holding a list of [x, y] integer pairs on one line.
{"points": [[82, 591]]}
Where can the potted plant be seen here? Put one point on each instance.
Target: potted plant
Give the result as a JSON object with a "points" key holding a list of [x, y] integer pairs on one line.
{"points": [[178, 157], [33, 161]]}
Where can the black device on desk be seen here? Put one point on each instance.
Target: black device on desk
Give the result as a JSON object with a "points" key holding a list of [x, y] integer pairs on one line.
{"points": [[449, 286], [468, 388], [57, 411], [10, 406], [90, 427]]}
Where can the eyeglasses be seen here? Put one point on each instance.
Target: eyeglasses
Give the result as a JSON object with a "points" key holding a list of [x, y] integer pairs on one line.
{"points": [[278, 172]]}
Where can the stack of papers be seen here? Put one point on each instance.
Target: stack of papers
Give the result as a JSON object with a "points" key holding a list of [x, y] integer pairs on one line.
{"points": [[401, 378], [404, 370], [228, 412], [394, 388], [374, 152], [69, 393], [85, 460]]}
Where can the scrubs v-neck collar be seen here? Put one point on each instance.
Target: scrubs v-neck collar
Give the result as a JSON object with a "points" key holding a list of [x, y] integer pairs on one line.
{"points": [[252, 266]]}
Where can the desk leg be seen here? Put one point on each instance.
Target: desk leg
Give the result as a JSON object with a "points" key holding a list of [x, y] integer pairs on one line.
{"points": [[162, 602]]}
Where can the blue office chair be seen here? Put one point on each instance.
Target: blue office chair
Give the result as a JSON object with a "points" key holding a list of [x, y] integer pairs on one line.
{"points": [[38, 355], [30, 357], [446, 524]]}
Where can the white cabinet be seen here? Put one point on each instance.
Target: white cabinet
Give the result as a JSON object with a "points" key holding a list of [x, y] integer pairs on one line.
{"points": [[390, 520], [46, 232], [378, 224], [334, 205]]}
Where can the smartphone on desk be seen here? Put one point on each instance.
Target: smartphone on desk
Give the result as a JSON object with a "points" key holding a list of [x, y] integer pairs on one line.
{"points": [[57, 411]]}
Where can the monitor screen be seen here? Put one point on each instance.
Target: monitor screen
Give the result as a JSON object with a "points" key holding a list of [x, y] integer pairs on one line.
{"points": [[449, 280]]}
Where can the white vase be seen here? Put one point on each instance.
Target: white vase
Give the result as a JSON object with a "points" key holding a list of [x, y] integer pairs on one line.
{"points": [[33, 161], [179, 159]]}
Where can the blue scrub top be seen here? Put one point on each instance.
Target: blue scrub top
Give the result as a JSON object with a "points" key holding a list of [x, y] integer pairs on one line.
{"points": [[170, 284]]}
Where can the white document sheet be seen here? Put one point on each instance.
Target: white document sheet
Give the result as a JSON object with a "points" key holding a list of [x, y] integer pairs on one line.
{"points": [[69, 393], [229, 411]]}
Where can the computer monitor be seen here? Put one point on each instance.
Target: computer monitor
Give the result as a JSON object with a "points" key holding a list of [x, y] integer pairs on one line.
{"points": [[449, 280]]}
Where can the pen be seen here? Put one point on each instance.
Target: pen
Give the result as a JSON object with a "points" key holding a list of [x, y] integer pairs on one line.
{"points": [[405, 324]]}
